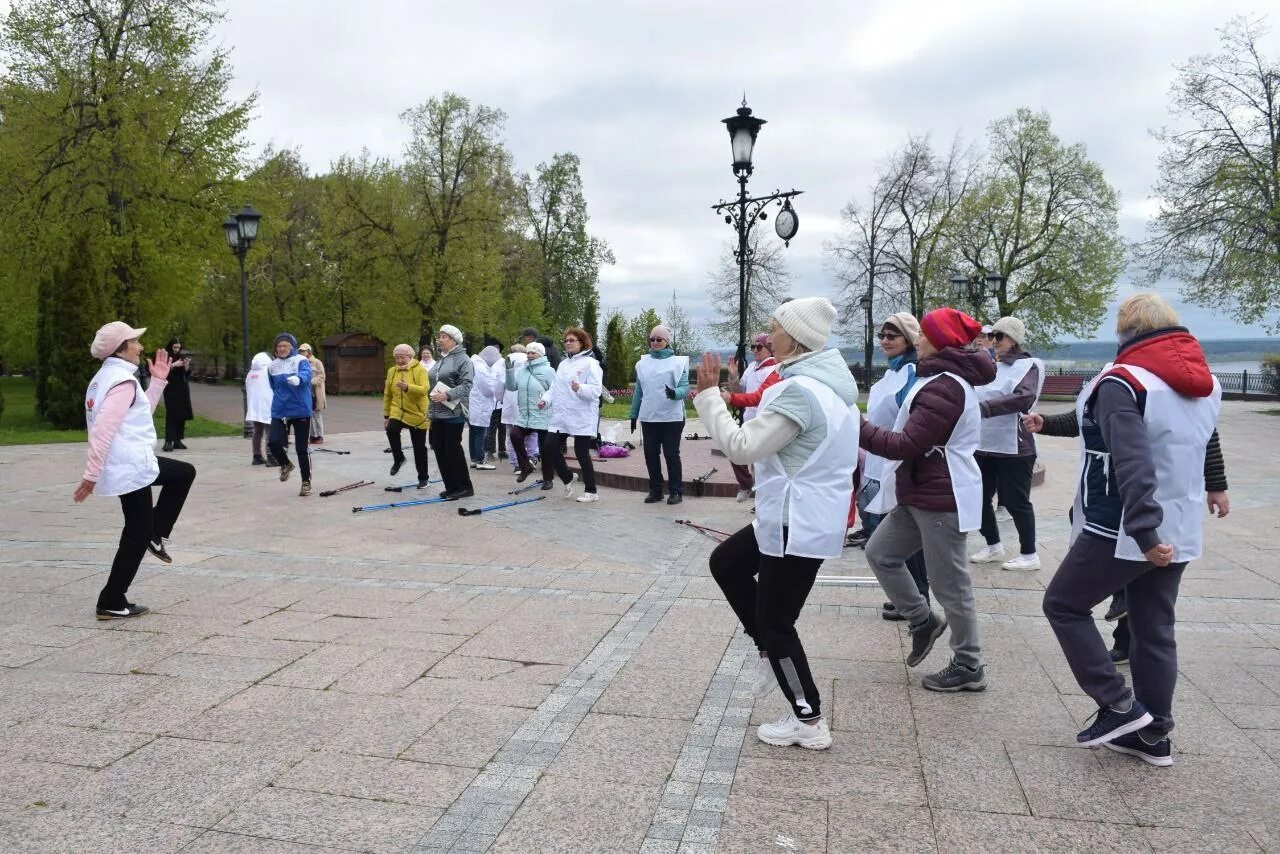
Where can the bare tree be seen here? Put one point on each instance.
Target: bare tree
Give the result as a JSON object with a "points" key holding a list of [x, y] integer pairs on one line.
{"points": [[861, 261], [1218, 228], [768, 284]]}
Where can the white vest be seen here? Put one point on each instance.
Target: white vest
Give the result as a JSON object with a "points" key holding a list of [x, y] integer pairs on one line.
{"points": [[131, 459], [653, 375], [1178, 428], [1000, 432], [816, 498], [751, 381], [882, 411], [966, 479], [511, 398]]}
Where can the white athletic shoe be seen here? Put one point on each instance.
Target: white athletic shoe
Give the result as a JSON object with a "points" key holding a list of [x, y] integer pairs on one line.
{"points": [[484, 466], [743, 495], [588, 497], [1022, 563], [988, 554], [568, 487], [763, 681], [1003, 515], [790, 730]]}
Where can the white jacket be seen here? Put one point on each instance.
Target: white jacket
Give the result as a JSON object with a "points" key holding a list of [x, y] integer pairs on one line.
{"points": [[486, 390], [576, 413], [257, 388]]}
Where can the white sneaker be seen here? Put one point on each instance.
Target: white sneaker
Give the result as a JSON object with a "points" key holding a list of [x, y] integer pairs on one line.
{"points": [[743, 495], [790, 730], [1022, 563], [484, 466], [988, 554], [763, 681], [1002, 515], [588, 497], [568, 487]]}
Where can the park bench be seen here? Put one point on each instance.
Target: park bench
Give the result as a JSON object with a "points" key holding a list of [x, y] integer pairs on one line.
{"points": [[1061, 384]]}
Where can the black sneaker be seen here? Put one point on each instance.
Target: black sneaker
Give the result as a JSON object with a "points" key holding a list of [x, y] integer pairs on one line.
{"points": [[445, 494], [121, 613], [259, 461], [889, 612], [922, 639], [956, 677], [179, 446], [547, 485], [271, 463], [1119, 609], [395, 466], [524, 473], [1119, 656], [675, 498], [1109, 724], [458, 494], [156, 547], [422, 484], [858, 539], [1160, 753], [652, 499]]}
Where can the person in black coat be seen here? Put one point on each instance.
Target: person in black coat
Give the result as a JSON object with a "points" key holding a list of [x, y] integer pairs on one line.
{"points": [[177, 397]]}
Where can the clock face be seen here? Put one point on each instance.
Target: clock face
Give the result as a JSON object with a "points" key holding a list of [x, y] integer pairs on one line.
{"points": [[786, 224]]}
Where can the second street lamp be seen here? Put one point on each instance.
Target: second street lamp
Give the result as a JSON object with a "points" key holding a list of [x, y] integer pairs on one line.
{"points": [[743, 212], [976, 288], [241, 229]]}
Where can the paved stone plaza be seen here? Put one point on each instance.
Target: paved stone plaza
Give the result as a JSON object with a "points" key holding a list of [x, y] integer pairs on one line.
{"points": [[561, 677]]}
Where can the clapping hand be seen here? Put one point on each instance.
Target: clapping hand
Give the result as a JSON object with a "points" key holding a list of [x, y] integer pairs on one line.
{"points": [[159, 367], [709, 372], [1033, 422]]}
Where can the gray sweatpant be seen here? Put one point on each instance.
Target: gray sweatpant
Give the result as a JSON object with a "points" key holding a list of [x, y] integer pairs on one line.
{"points": [[902, 533], [1088, 575]]}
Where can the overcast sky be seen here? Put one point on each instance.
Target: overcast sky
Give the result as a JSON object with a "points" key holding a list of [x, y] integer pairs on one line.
{"points": [[637, 90]]}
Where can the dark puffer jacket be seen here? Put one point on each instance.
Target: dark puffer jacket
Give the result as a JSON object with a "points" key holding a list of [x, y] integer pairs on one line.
{"points": [[923, 479]]}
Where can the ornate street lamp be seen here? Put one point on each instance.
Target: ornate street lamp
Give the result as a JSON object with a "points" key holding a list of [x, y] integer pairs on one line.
{"points": [[976, 288], [743, 213], [865, 303], [241, 229]]}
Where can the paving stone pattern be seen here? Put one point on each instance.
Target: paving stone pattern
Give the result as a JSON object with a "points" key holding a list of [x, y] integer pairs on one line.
{"points": [[561, 677]]}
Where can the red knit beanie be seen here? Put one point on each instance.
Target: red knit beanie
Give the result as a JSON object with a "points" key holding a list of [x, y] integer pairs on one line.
{"points": [[947, 327]]}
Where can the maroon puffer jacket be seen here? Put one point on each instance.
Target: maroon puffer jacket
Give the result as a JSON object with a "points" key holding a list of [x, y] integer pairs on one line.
{"points": [[923, 479]]}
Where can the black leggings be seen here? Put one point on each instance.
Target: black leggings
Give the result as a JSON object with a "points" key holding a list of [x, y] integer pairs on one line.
{"points": [[445, 438], [1011, 478], [552, 448], [301, 435], [175, 427], [663, 437], [518, 435], [143, 523], [417, 438], [768, 609]]}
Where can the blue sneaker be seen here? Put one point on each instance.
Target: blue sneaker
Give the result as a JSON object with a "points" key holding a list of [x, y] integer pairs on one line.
{"points": [[1109, 724], [1160, 753]]}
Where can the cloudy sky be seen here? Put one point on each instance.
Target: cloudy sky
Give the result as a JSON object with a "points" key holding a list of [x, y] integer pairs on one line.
{"points": [[637, 90]]}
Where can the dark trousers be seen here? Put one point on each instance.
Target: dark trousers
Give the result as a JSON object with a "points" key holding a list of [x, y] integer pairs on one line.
{"points": [[554, 448], [417, 438], [767, 594], [518, 435], [143, 523], [445, 438], [1089, 574], [1011, 478], [663, 437], [744, 475], [175, 428], [495, 439], [475, 442], [259, 434], [301, 435]]}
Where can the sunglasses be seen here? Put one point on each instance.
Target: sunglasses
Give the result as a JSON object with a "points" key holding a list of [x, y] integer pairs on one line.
{"points": [[570, 341], [888, 336], [996, 337], [757, 346], [656, 340]]}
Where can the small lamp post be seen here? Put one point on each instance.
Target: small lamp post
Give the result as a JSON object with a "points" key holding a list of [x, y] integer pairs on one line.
{"points": [[241, 229], [865, 302], [976, 288]]}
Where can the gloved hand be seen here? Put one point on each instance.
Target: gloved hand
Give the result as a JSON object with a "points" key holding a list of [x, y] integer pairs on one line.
{"points": [[671, 393], [293, 380], [633, 425]]}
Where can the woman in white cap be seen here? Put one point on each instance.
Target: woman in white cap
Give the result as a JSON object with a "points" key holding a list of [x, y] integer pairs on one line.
{"points": [[575, 411], [122, 460], [804, 445], [318, 401], [450, 379], [531, 381], [1006, 452], [257, 392], [662, 384]]}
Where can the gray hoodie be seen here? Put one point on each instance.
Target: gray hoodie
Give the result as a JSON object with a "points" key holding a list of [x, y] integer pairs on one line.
{"points": [[455, 370]]}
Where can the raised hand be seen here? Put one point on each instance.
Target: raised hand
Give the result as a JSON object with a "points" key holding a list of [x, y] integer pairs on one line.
{"points": [[159, 367], [709, 372]]}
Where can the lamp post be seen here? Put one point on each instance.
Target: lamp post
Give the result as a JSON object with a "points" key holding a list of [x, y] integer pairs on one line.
{"points": [[865, 302], [743, 212], [241, 229], [976, 288]]}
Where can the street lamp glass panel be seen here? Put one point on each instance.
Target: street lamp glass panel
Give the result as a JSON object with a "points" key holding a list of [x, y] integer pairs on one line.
{"points": [[994, 281], [743, 129], [743, 143], [248, 219], [864, 302], [232, 229], [959, 287]]}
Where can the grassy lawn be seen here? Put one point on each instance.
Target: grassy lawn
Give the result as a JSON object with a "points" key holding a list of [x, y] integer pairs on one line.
{"points": [[19, 425]]}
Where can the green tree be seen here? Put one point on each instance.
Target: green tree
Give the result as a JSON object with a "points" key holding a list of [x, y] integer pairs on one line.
{"points": [[117, 124], [636, 341], [553, 211], [1042, 215], [75, 311], [615, 356], [686, 339], [591, 317], [1218, 227]]}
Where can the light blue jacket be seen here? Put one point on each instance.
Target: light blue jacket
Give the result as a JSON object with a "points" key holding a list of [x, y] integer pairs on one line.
{"points": [[529, 383]]}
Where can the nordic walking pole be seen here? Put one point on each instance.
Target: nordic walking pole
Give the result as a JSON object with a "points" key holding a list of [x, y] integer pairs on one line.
{"points": [[331, 451], [405, 486], [534, 485], [371, 507], [704, 530], [348, 487], [462, 511]]}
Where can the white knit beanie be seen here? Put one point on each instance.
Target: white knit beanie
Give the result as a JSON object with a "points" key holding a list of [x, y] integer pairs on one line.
{"points": [[808, 320], [906, 323], [1013, 328], [452, 331]]}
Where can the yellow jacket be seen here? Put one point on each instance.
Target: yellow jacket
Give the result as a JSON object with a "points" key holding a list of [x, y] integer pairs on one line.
{"points": [[408, 407]]}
